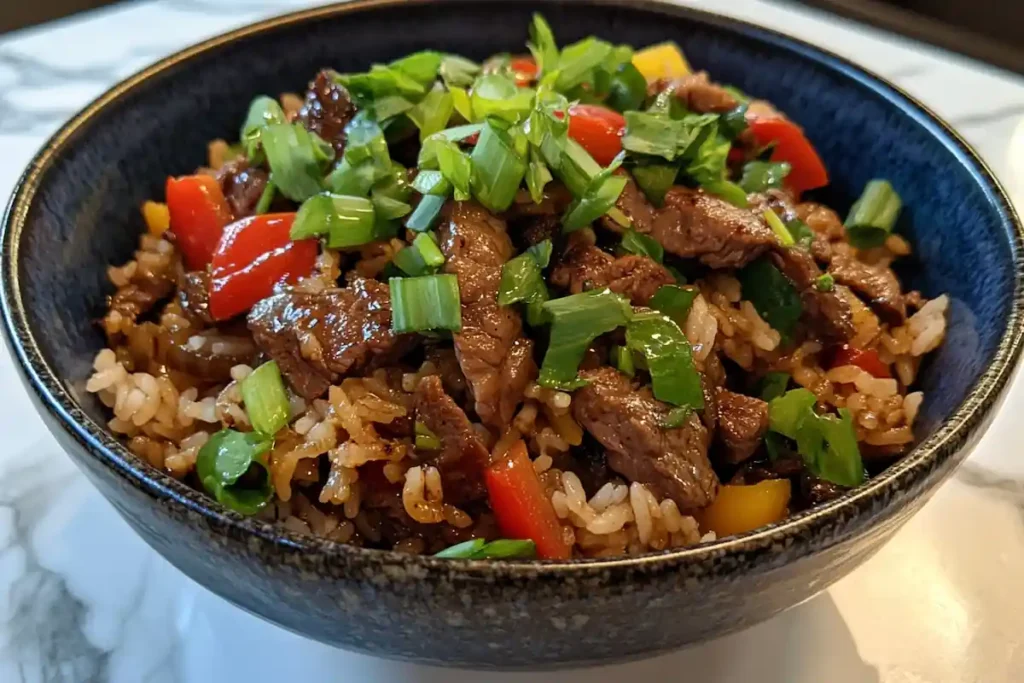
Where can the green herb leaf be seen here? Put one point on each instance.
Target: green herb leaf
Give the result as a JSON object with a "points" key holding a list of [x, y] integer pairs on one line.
{"points": [[622, 358], [266, 197], [873, 216], [827, 443], [634, 242], [432, 113], [772, 294], [426, 440], [231, 468], [709, 163], [521, 278], [655, 180], [628, 88], [542, 45], [773, 385], [661, 136], [498, 95], [674, 301], [577, 61], [674, 377], [729, 191], [265, 399], [262, 112], [759, 176], [498, 169], [458, 71], [577, 320], [734, 121], [599, 198]]}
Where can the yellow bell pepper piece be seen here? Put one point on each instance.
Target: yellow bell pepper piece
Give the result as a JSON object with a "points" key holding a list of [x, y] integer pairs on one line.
{"points": [[743, 508], [157, 217], [664, 60]]}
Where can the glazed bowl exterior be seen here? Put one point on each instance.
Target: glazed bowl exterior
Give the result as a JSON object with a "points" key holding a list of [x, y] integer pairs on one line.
{"points": [[75, 211]]}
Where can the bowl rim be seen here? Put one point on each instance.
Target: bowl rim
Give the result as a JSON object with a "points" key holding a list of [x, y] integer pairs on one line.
{"points": [[956, 430]]}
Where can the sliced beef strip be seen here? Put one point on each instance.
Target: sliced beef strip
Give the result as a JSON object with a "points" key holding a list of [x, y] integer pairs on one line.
{"points": [[327, 110], [585, 266], [697, 93], [194, 296], [318, 337], [242, 186], [828, 313], [530, 230], [463, 456], [496, 358], [742, 422], [209, 355], [693, 224], [783, 204], [627, 421], [878, 284], [152, 282]]}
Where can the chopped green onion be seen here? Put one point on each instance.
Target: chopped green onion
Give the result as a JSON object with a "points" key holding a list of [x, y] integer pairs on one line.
{"points": [[262, 112], [425, 216], [628, 89], [825, 282], [570, 163], [537, 176], [348, 221], [674, 301], [265, 399], [773, 296], [521, 280], [352, 180], [430, 181], [778, 227], [773, 385], [387, 208], [734, 121], [498, 95], [729, 191], [422, 66], [501, 549], [296, 158], [577, 320], [676, 417], [873, 216], [577, 60], [430, 302], [458, 71], [365, 142], [659, 135], [622, 359], [432, 113], [497, 169], [382, 81], [428, 249], [541, 252], [456, 167], [426, 440], [266, 197], [542, 45], [659, 340], [801, 232], [599, 198], [759, 176], [231, 467], [389, 109], [655, 180], [634, 242], [462, 102], [827, 443]]}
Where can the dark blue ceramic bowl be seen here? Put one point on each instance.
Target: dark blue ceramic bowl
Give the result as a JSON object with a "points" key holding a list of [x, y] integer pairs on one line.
{"points": [[76, 211]]}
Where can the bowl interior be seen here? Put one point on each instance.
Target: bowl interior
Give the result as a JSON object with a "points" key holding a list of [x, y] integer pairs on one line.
{"points": [[85, 216]]}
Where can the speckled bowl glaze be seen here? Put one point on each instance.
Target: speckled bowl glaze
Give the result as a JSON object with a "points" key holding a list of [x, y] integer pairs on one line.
{"points": [[76, 211]]}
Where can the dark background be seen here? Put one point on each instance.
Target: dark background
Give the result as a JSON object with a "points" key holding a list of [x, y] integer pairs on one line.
{"points": [[990, 30]]}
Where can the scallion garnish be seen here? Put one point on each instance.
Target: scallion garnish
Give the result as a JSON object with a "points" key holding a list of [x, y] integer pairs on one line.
{"points": [[665, 137], [425, 216], [676, 417], [578, 60], [262, 112], [709, 163], [873, 216], [265, 399], [498, 95], [759, 176], [634, 242], [498, 169], [734, 121], [599, 197], [501, 549], [426, 440], [778, 227], [423, 257], [774, 297], [655, 180], [576, 321], [348, 221], [674, 301], [627, 90], [622, 358], [542, 45], [773, 385], [232, 468], [430, 302], [458, 71], [825, 282], [455, 167], [431, 114], [659, 340], [521, 278], [296, 158], [729, 191], [827, 443], [266, 197]]}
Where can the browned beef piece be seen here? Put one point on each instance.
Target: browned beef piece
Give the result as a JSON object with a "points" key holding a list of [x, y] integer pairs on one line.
{"points": [[585, 266], [821, 219], [327, 110], [554, 203], [194, 296], [463, 456], [878, 284], [242, 186], [698, 93], [535, 229], [742, 422], [782, 203], [693, 224], [627, 422], [151, 283], [210, 354], [828, 313], [318, 337], [496, 358]]}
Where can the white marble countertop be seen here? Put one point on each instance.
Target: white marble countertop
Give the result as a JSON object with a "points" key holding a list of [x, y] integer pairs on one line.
{"points": [[84, 599]]}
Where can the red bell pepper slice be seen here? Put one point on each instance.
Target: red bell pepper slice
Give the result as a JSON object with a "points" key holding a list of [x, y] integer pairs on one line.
{"points": [[866, 360], [199, 213], [255, 254], [520, 505], [524, 70], [598, 129], [792, 146]]}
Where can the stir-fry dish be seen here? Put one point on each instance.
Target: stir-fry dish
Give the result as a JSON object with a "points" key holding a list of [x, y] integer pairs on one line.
{"points": [[567, 303]]}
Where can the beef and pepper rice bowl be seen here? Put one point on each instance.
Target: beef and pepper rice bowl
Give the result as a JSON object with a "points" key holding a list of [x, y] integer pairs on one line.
{"points": [[567, 303]]}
